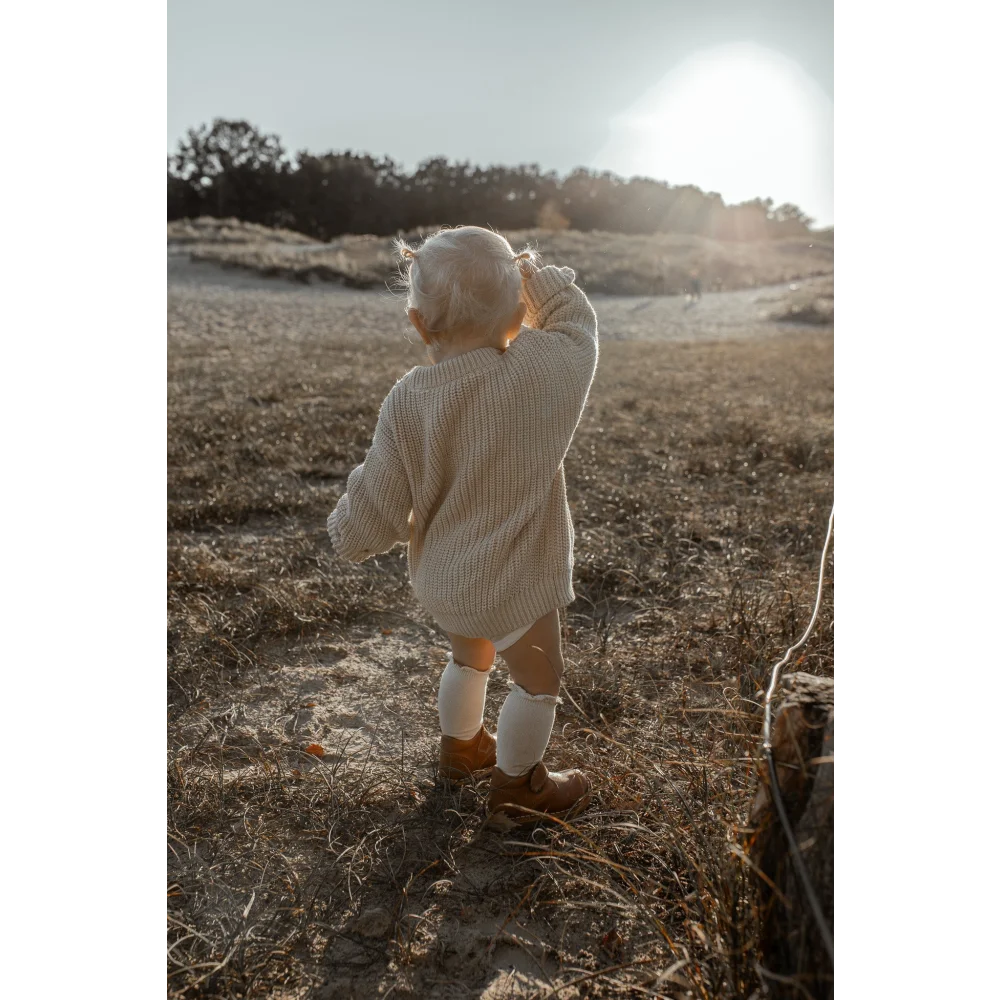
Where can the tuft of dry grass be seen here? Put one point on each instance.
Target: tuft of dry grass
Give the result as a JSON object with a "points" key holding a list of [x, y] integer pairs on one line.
{"points": [[700, 481], [232, 231], [811, 304]]}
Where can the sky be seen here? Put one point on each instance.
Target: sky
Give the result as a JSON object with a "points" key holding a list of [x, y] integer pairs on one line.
{"points": [[734, 96]]}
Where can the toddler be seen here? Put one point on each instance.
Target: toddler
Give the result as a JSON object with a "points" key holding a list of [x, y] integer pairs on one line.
{"points": [[466, 466]]}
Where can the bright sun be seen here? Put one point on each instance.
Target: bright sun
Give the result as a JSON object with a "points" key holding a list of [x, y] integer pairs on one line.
{"points": [[740, 120]]}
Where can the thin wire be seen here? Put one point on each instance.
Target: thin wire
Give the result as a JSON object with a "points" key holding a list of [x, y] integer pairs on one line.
{"points": [[800, 867], [776, 670]]}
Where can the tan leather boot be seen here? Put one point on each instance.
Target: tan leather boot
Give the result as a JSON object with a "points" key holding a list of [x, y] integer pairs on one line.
{"points": [[559, 794], [460, 759]]}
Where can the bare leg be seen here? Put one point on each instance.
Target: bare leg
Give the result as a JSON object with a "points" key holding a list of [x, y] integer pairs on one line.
{"points": [[535, 661], [521, 787], [466, 746], [476, 653]]}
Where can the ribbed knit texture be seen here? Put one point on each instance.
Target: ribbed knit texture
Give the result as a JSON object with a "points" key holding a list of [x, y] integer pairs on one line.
{"points": [[462, 699], [524, 728], [474, 446]]}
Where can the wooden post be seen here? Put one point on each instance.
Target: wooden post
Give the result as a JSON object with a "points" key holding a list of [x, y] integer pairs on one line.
{"points": [[794, 962]]}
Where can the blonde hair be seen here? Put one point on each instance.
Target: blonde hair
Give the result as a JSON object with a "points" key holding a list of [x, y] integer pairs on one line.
{"points": [[462, 279]]}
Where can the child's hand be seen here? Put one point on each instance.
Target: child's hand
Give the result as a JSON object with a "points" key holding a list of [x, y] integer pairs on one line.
{"points": [[527, 267]]}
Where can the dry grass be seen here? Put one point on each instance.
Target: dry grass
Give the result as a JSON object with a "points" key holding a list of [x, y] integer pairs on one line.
{"points": [[700, 479], [207, 229], [609, 263], [811, 304]]}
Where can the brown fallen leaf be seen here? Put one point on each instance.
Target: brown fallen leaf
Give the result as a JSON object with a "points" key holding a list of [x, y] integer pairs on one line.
{"points": [[316, 750], [613, 943]]}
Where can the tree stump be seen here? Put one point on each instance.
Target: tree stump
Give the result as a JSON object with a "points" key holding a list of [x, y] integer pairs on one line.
{"points": [[794, 962]]}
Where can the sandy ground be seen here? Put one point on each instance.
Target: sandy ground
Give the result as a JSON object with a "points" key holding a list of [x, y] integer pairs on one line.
{"points": [[368, 696], [717, 316]]}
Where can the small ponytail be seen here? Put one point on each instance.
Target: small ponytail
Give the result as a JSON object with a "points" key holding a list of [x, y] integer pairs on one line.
{"points": [[404, 249]]}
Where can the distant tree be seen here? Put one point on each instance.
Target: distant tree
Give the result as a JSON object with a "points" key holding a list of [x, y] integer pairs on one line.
{"points": [[344, 193], [745, 222], [689, 210], [183, 201], [591, 200], [549, 217], [789, 220], [232, 168], [207, 153]]}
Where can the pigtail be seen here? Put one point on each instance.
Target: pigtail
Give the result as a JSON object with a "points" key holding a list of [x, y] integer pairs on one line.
{"points": [[406, 257], [405, 251]]}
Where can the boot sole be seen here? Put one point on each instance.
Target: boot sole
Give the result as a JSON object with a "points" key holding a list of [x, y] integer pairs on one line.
{"points": [[499, 819], [460, 777], [461, 774]]}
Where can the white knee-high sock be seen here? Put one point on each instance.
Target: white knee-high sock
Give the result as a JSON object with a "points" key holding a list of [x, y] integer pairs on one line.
{"points": [[461, 699], [523, 730]]}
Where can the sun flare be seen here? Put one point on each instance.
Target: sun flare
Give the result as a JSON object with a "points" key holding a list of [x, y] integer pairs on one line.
{"points": [[738, 119]]}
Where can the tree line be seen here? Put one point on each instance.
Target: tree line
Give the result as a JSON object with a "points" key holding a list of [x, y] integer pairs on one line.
{"points": [[232, 169]]}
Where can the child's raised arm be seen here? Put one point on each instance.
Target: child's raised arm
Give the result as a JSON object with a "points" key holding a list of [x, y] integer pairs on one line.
{"points": [[556, 305], [373, 514]]}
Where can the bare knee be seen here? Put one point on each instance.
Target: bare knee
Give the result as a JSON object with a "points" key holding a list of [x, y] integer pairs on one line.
{"points": [[535, 661], [476, 653]]}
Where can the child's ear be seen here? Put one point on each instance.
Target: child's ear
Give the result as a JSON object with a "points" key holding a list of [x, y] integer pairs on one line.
{"points": [[418, 322]]}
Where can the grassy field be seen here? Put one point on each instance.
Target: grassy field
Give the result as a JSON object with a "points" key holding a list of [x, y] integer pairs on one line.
{"points": [[310, 852], [605, 263]]}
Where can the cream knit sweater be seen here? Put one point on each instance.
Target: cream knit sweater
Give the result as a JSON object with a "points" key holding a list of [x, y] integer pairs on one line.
{"points": [[466, 466]]}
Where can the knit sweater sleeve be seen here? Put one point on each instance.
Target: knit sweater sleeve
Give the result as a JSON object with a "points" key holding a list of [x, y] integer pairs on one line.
{"points": [[556, 305], [373, 514]]}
